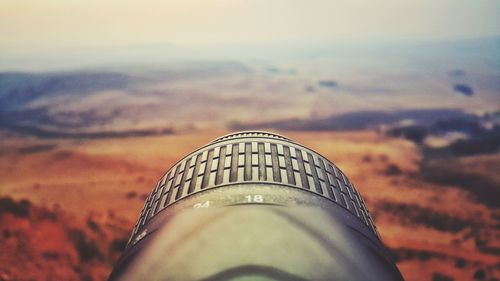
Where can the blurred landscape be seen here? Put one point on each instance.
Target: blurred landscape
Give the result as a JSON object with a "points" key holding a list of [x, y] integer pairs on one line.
{"points": [[86, 131]]}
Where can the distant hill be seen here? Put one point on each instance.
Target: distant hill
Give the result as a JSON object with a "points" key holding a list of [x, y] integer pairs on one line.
{"points": [[360, 120], [17, 89]]}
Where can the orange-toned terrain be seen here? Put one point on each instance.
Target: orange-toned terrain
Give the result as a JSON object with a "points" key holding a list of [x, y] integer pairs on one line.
{"points": [[67, 207]]}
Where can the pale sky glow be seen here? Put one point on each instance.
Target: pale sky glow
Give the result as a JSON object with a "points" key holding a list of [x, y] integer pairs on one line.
{"points": [[49, 24]]}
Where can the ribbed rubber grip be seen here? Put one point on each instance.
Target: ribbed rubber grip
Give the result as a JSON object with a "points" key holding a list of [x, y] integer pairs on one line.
{"points": [[254, 157]]}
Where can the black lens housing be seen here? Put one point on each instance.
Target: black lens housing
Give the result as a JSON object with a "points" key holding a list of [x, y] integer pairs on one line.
{"points": [[255, 206]]}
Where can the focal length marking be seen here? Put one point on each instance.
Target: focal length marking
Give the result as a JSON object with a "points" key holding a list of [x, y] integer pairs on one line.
{"points": [[254, 198]]}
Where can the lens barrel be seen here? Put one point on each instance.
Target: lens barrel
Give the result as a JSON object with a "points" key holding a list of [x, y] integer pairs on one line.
{"points": [[254, 206]]}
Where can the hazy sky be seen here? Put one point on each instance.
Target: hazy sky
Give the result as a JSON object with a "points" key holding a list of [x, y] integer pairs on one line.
{"points": [[52, 24]]}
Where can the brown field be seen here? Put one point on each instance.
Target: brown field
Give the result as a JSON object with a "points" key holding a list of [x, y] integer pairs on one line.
{"points": [[81, 200]]}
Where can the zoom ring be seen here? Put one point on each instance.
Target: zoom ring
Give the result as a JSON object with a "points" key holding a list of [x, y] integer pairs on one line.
{"points": [[254, 157]]}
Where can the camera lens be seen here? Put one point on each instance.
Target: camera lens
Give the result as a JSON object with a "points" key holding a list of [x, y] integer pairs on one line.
{"points": [[254, 206]]}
